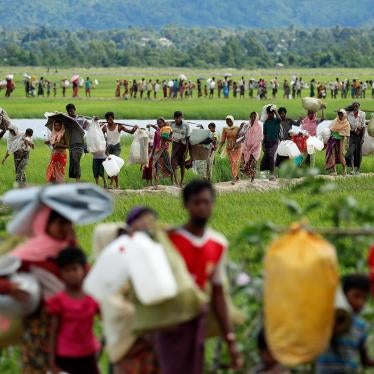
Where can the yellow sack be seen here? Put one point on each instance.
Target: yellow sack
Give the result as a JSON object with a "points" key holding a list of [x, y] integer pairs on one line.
{"points": [[301, 278]]}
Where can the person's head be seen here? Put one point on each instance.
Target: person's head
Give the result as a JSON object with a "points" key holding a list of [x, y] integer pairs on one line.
{"points": [[230, 121], [282, 112], [356, 288], [341, 114], [253, 117], [311, 114], [109, 116], [178, 117], [212, 127], [88, 78], [57, 125], [59, 227], [12, 132], [161, 122], [266, 356], [71, 110], [270, 112], [198, 199], [141, 218], [356, 107], [29, 132], [213, 79], [72, 264]]}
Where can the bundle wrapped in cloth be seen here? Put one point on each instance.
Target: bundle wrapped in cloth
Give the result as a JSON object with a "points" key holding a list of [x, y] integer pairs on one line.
{"points": [[301, 279]]}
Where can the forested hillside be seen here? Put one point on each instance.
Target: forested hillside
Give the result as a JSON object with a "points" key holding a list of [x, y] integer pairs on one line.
{"points": [[114, 14], [193, 47]]}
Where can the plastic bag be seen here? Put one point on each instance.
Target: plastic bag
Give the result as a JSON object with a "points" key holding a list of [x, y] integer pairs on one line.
{"points": [[95, 138], [139, 148], [150, 272], [314, 145], [301, 279], [264, 113], [312, 103]]}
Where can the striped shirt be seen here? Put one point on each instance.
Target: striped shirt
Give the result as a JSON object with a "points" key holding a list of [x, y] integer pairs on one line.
{"points": [[343, 355]]}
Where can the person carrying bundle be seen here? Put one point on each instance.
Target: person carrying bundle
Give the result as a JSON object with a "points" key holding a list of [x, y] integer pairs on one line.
{"points": [[340, 129], [20, 145], [356, 119], [181, 134], [112, 132]]}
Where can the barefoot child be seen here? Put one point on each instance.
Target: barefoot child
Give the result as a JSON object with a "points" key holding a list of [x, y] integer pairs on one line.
{"points": [[73, 346]]}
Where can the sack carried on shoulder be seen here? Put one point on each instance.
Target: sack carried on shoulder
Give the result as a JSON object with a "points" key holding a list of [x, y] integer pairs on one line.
{"points": [[301, 279]]}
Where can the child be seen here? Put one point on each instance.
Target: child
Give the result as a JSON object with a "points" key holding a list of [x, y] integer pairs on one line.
{"points": [[347, 352], [73, 346], [213, 148], [269, 364], [20, 145], [54, 89], [98, 168]]}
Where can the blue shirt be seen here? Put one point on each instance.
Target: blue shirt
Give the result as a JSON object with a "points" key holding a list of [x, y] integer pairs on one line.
{"points": [[343, 356]]}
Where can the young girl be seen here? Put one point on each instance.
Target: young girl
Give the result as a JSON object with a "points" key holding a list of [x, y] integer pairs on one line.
{"points": [[59, 141], [73, 346]]}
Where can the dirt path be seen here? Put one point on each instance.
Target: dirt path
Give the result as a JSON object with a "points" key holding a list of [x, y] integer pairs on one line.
{"points": [[259, 185]]}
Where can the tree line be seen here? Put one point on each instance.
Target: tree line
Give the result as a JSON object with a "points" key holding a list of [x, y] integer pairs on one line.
{"points": [[190, 47]]}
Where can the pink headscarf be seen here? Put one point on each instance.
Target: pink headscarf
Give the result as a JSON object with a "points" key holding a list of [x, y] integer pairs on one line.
{"points": [[41, 246], [253, 140], [310, 125]]}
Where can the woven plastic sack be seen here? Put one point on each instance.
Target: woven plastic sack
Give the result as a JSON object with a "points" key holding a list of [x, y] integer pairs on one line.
{"points": [[312, 103], [139, 148], [95, 139], [301, 279]]}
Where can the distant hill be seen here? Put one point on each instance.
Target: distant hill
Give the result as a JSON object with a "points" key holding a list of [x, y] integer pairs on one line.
{"points": [[119, 14]]}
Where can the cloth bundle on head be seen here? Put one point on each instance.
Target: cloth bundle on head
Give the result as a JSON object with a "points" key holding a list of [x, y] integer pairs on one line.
{"points": [[341, 126], [14, 141], [253, 140], [231, 118], [80, 203], [56, 136]]}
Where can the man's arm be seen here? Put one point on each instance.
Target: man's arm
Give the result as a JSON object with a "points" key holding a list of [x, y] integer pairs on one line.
{"points": [[129, 131], [221, 311], [366, 361]]}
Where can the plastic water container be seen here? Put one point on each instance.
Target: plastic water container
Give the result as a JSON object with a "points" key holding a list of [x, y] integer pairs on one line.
{"points": [[112, 165], [110, 272], [150, 271], [11, 307], [292, 149]]}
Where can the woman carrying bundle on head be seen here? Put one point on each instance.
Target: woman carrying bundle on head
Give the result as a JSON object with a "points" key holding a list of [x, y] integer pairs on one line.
{"points": [[252, 146], [310, 124], [233, 149], [340, 130], [59, 142]]}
